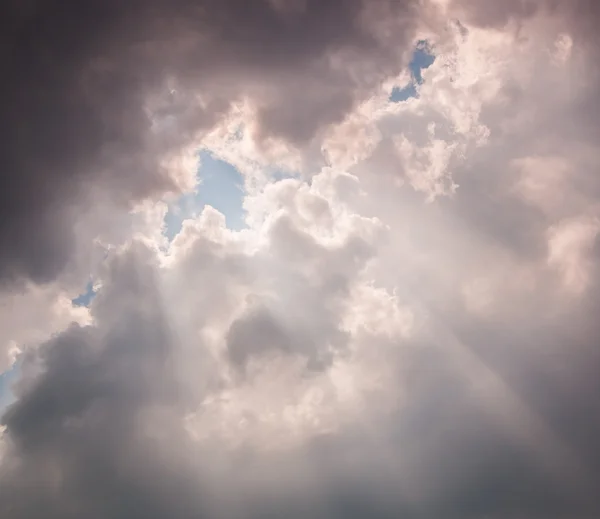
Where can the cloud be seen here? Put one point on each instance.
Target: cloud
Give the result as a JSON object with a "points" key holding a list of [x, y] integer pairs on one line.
{"points": [[407, 326], [126, 87], [141, 361]]}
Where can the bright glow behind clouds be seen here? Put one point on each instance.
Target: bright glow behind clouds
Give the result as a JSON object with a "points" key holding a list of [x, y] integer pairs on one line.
{"points": [[367, 306]]}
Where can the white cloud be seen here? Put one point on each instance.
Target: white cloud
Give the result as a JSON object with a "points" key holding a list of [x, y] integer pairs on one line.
{"points": [[569, 250], [427, 167], [29, 317], [394, 317]]}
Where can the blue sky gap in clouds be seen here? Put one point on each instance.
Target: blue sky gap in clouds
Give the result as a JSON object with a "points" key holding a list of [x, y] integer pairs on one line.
{"points": [[85, 298], [6, 380], [221, 186], [422, 58]]}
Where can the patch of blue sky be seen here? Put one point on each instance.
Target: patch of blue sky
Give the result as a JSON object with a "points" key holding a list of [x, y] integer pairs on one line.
{"points": [[221, 186], [7, 379], [422, 58], [85, 298], [404, 94]]}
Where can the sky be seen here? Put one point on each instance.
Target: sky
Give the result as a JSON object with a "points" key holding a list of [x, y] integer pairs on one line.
{"points": [[422, 58], [220, 185], [299, 258]]}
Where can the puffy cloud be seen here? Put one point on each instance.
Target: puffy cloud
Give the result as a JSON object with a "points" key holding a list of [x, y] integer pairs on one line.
{"points": [[31, 315], [408, 327], [265, 353], [111, 94]]}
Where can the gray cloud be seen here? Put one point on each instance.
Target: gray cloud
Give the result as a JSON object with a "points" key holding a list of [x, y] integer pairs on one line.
{"points": [[493, 392], [86, 85], [98, 427]]}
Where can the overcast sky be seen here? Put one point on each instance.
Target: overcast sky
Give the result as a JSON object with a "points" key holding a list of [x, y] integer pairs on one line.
{"points": [[299, 258]]}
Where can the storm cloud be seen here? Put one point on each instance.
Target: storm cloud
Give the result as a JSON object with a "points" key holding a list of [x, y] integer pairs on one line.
{"points": [[406, 326], [101, 92]]}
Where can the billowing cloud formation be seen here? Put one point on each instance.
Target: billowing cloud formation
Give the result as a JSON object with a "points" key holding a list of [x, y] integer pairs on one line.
{"points": [[112, 92], [407, 326]]}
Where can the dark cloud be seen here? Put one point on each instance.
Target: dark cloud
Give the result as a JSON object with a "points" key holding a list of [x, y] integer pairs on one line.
{"points": [[85, 408], [581, 15], [98, 427], [90, 87], [497, 14], [262, 332], [498, 413]]}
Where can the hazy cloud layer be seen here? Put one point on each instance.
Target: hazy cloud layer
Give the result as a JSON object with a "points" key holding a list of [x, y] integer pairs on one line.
{"points": [[408, 325]]}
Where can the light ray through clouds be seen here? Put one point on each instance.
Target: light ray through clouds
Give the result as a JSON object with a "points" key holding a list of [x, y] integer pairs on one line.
{"points": [[331, 259]]}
